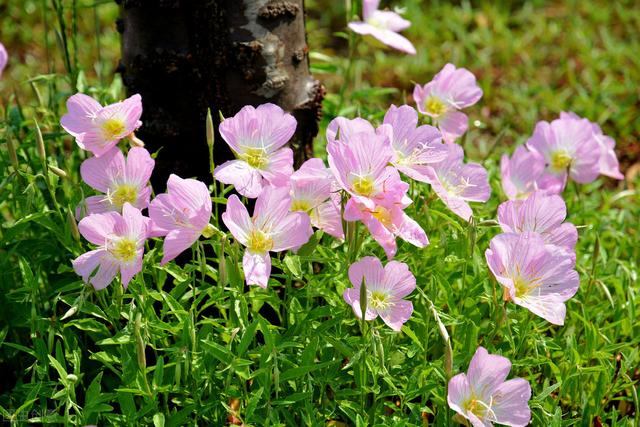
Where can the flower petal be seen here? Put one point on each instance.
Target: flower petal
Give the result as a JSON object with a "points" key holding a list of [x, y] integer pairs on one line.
{"points": [[96, 228], [397, 314], [486, 372], [86, 263], [237, 219], [257, 268], [453, 125], [510, 403], [139, 166], [176, 242], [101, 172], [246, 180]]}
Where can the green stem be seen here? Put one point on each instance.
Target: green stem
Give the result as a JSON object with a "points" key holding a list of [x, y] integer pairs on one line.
{"points": [[363, 367], [523, 332]]}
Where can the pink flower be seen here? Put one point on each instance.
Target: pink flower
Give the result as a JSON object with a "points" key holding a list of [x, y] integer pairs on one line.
{"points": [[313, 192], [383, 26], [386, 287], [256, 136], [121, 181], [4, 58], [456, 183], [535, 275], [569, 149], [359, 161], [520, 172], [608, 163], [342, 128], [120, 240], [484, 397], [451, 90], [182, 214], [540, 213], [98, 129], [415, 147], [387, 220], [272, 228]]}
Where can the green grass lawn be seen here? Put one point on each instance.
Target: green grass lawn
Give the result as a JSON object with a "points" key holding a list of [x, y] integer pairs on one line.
{"points": [[193, 352]]}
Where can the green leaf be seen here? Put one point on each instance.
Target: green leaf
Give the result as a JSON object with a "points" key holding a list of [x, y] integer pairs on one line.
{"points": [[293, 265], [158, 419]]}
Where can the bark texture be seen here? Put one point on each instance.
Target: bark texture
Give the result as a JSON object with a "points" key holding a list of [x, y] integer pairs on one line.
{"points": [[184, 56]]}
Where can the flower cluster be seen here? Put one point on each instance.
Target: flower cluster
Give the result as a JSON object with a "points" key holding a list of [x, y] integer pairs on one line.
{"points": [[533, 258], [364, 165], [568, 147], [113, 221]]}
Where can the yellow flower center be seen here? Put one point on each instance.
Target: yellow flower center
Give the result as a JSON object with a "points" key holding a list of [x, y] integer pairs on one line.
{"points": [[378, 300], [259, 242], [256, 157], [113, 128], [476, 407], [363, 185], [124, 193], [521, 286], [300, 205], [435, 106], [383, 215], [124, 249], [375, 23], [560, 160]]}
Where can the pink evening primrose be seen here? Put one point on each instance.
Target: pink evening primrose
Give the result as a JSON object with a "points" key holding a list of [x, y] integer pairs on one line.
{"points": [[122, 181], [540, 213], [537, 276], [383, 26], [120, 240], [273, 228], [182, 214], [386, 287], [256, 136], [313, 191], [98, 129], [415, 147], [608, 163], [457, 183], [359, 160], [387, 220], [569, 149], [521, 172], [4, 58], [451, 90], [484, 397]]}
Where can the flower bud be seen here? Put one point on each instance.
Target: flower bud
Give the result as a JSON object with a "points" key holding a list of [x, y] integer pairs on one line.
{"points": [[57, 171], [40, 144], [142, 359], [73, 226], [363, 297], [13, 156], [209, 231], [222, 264], [210, 132]]}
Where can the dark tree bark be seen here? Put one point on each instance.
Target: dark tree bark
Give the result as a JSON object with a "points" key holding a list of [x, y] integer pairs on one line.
{"points": [[184, 56]]}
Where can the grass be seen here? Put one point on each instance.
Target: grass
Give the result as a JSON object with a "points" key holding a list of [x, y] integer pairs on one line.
{"points": [[191, 344]]}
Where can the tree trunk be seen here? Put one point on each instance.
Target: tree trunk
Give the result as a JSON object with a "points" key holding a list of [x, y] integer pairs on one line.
{"points": [[184, 56]]}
